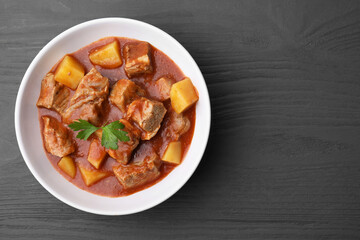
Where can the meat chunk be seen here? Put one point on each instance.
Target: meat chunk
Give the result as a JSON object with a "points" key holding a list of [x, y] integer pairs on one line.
{"points": [[179, 124], [148, 115], [53, 95], [163, 86], [124, 92], [145, 168], [56, 138], [175, 125], [137, 59], [125, 149], [88, 100]]}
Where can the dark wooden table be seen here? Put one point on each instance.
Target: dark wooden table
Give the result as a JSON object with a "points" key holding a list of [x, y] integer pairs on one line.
{"points": [[283, 159]]}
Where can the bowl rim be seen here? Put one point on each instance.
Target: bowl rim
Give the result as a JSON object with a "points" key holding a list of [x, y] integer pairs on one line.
{"points": [[22, 88]]}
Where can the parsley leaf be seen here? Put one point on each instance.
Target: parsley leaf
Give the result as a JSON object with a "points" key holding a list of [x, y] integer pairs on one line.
{"points": [[111, 133], [86, 128]]}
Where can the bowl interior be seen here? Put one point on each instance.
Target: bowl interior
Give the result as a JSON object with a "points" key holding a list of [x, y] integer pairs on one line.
{"points": [[28, 130]]}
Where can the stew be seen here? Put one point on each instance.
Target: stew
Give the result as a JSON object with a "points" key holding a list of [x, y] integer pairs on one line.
{"points": [[116, 116]]}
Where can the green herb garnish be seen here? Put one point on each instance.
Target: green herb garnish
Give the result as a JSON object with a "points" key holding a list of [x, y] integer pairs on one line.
{"points": [[111, 133], [86, 128]]}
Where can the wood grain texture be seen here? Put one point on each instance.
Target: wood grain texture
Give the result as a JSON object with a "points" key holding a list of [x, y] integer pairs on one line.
{"points": [[283, 159]]}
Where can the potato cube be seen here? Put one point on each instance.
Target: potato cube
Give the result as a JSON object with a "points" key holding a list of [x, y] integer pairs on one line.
{"points": [[92, 176], [173, 153], [69, 72], [96, 153], [107, 56], [183, 95], [68, 166]]}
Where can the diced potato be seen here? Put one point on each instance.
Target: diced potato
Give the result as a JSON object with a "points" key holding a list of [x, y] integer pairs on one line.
{"points": [[92, 176], [68, 166], [96, 153], [107, 56], [183, 95], [69, 72], [173, 153]]}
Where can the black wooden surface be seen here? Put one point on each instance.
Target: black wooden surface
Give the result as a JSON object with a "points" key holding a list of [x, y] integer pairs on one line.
{"points": [[283, 159]]}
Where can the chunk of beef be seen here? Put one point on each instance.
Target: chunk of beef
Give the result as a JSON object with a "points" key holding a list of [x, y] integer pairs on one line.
{"points": [[163, 86], [123, 153], [88, 100], [175, 125], [124, 92], [143, 169], [137, 59], [53, 95], [179, 124], [56, 138], [125, 149], [148, 115]]}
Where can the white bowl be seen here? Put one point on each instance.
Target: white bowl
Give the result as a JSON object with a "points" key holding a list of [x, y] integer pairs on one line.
{"points": [[28, 130]]}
